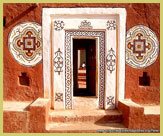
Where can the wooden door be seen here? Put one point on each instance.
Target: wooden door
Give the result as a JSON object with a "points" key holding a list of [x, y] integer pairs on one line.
{"points": [[75, 62], [91, 66]]}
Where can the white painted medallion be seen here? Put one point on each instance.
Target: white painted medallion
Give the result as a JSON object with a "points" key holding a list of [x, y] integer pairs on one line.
{"points": [[25, 43], [142, 47]]}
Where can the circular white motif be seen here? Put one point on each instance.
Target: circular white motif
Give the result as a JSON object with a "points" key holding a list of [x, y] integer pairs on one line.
{"points": [[111, 24], [25, 43], [142, 47], [58, 25]]}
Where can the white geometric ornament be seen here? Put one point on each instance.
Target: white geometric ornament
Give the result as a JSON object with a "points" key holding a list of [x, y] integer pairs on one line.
{"points": [[25, 43], [85, 25], [142, 47], [58, 25], [111, 60], [111, 24]]}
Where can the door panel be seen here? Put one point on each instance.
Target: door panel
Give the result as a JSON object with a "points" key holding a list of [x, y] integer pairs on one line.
{"points": [[75, 62], [91, 67]]}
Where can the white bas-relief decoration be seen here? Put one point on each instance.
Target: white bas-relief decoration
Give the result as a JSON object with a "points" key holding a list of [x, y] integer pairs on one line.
{"points": [[58, 25], [142, 47], [59, 97], [110, 100], [111, 24], [25, 43], [111, 60], [85, 25], [58, 61]]}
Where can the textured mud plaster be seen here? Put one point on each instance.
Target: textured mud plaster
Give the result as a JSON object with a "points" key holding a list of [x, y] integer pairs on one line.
{"points": [[136, 14]]}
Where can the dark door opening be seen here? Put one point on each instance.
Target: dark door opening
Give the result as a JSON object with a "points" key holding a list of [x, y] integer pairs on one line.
{"points": [[84, 67]]}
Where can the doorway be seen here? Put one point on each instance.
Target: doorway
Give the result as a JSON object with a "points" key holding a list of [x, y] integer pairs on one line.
{"points": [[93, 23], [84, 67]]}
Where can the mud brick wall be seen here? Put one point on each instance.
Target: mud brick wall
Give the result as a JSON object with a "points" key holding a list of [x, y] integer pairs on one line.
{"points": [[144, 14]]}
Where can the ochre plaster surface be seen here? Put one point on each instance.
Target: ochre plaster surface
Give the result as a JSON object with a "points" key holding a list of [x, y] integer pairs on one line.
{"points": [[36, 117], [138, 117]]}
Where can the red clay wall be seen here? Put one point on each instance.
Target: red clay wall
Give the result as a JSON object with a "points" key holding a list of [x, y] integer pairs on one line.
{"points": [[134, 117], [136, 14], [15, 121], [142, 14]]}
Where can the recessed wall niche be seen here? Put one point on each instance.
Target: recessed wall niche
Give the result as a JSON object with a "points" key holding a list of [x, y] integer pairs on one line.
{"points": [[24, 79], [144, 80]]}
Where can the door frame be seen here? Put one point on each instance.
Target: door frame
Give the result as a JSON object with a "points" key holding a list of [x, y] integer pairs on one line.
{"points": [[99, 35]]}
